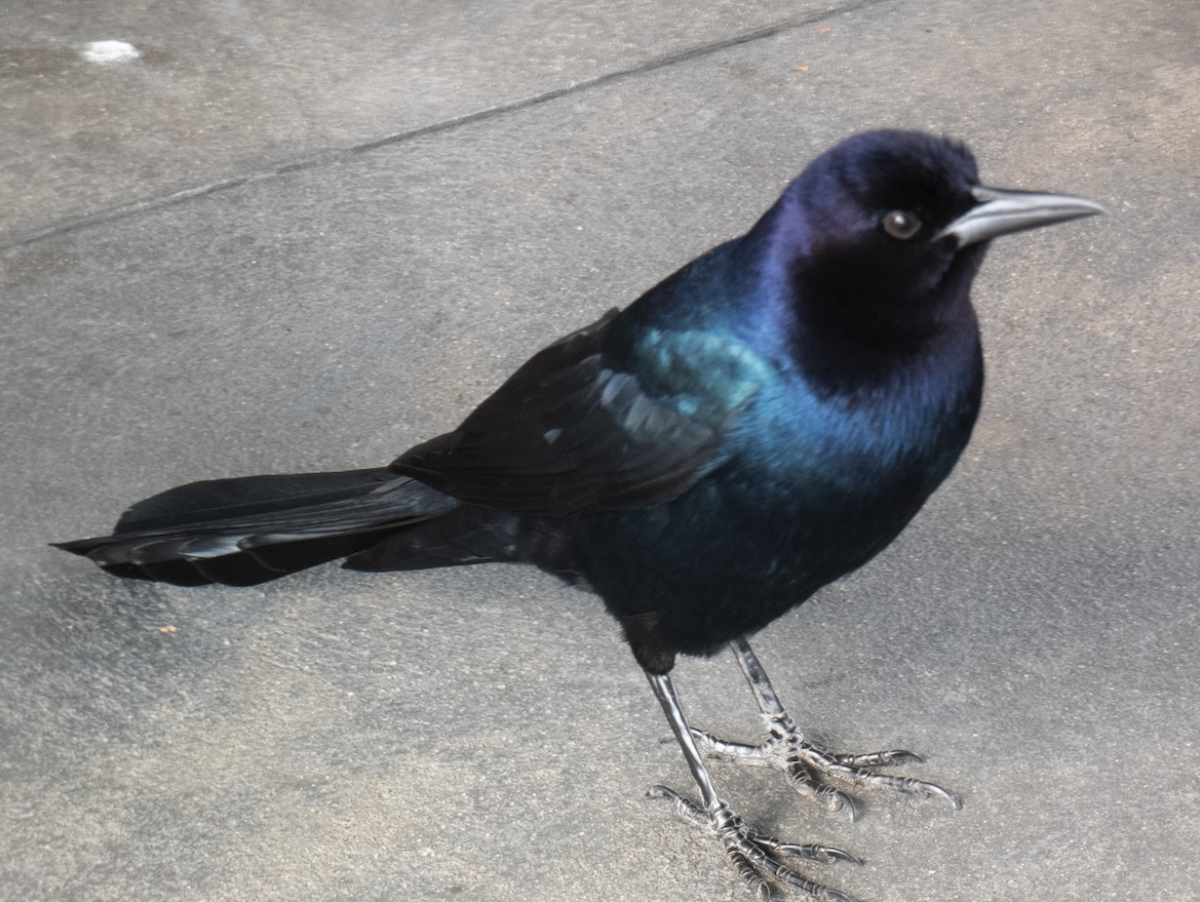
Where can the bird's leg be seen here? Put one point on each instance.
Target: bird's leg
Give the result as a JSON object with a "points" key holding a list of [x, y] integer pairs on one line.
{"points": [[753, 855], [806, 766]]}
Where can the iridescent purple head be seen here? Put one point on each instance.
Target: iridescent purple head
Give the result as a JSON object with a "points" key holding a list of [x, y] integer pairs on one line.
{"points": [[886, 229]]}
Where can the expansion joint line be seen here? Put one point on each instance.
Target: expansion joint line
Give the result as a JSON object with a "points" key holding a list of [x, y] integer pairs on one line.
{"points": [[342, 153]]}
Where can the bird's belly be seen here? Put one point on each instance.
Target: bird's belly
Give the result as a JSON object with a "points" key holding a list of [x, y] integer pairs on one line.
{"points": [[743, 546]]}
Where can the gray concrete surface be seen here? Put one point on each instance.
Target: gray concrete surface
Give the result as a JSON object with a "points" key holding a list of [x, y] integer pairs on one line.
{"points": [[483, 734], [224, 88]]}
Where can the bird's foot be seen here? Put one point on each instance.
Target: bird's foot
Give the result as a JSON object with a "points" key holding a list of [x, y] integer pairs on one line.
{"points": [[809, 769], [756, 857]]}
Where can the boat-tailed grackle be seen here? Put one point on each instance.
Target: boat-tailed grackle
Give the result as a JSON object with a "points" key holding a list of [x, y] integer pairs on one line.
{"points": [[760, 423]]}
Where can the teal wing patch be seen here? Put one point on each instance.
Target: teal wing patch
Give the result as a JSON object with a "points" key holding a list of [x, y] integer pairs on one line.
{"points": [[569, 432]]}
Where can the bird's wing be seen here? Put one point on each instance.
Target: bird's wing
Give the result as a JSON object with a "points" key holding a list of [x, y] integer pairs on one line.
{"points": [[571, 431]]}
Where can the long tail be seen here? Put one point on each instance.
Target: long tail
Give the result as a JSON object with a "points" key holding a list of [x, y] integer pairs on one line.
{"points": [[242, 532]]}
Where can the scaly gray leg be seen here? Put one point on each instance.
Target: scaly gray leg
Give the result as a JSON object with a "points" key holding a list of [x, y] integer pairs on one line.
{"points": [[806, 766], [751, 853]]}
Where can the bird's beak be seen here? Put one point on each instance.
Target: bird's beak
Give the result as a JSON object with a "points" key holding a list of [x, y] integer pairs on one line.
{"points": [[1001, 212]]}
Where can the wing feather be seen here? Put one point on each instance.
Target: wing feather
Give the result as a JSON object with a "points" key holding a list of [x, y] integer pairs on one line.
{"points": [[569, 432]]}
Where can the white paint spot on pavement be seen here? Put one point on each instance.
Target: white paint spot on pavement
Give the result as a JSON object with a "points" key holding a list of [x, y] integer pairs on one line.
{"points": [[104, 52]]}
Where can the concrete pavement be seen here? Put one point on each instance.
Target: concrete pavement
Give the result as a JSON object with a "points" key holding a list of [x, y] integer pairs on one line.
{"points": [[290, 239]]}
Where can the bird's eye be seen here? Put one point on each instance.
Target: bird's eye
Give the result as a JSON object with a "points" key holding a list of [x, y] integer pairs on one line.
{"points": [[900, 224]]}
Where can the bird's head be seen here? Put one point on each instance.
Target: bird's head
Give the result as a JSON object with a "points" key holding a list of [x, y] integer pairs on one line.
{"points": [[882, 234]]}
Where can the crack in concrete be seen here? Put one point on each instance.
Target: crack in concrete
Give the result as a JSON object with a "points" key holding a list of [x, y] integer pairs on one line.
{"points": [[333, 155]]}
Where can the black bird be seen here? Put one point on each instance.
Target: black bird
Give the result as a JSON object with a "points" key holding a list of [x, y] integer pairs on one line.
{"points": [[757, 425]]}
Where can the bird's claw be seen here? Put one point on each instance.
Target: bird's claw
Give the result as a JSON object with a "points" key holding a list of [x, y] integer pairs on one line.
{"points": [[757, 857], [809, 768]]}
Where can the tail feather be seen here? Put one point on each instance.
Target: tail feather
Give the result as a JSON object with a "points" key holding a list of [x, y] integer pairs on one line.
{"points": [[247, 531], [247, 496]]}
